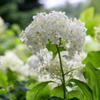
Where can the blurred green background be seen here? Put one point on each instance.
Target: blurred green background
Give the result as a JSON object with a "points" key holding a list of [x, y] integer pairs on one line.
{"points": [[21, 11]]}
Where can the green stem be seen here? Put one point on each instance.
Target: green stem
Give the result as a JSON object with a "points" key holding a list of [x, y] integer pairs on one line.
{"points": [[72, 70], [62, 72]]}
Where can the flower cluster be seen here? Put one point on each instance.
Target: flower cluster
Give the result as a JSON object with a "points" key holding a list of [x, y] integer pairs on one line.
{"points": [[48, 68], [42, 65], [53, 27], [11, 61]]}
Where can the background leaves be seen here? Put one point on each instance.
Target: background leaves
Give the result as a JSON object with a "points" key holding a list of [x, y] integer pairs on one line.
{"points": [[90, 21], [94, 58]]}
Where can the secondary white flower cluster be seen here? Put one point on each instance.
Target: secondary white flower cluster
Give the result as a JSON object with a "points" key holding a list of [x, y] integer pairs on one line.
{"points": [[42, 65], [48, 68], [53, 27], [41, 58], [10, 60], [97, 33]]}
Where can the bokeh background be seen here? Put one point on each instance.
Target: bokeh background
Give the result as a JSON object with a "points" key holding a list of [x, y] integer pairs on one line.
{"points": [[21, 11]]}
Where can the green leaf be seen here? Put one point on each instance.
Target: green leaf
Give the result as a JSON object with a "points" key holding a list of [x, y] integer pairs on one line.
{"points": [[11, 76], [52, 47], [3, 79], [84, 88], [3, 91], [92, 75], [90, 21], [94, 58], [57, 91], [22, 53], [38, 91], [75, 94]]}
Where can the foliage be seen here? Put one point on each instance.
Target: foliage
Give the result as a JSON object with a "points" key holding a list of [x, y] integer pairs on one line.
{"points": [[90, 20], [3, 79], [92, 75], [12, 88], [90, 89], [38, 91], [94, 58], [9, 38], [52, 47], [22, 52], [95, 4], [57, 91], [13, 10]]}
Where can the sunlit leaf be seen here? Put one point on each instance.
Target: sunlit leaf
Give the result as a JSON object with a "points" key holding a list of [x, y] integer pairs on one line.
{"points": [[90, 21], [94, 58], [86, 90], [57, 91], [3, 79], [52, 47], [39, 91], [92, 75]]}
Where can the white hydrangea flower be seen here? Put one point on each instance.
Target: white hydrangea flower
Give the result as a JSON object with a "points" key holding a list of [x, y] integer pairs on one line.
{"points": [[35, 61], [44, 56], [97, 29], [10, 60], [48, 68], [25, 71], [52, 27], [39, 59]]}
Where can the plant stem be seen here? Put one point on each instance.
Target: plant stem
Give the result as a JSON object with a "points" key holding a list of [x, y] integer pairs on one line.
{"points": [[62, 72], [72, 70]]}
